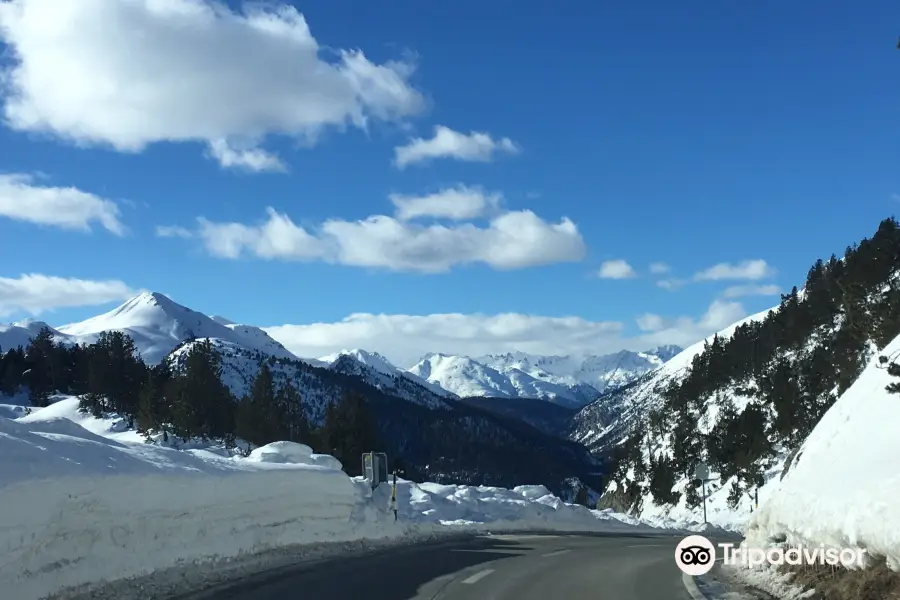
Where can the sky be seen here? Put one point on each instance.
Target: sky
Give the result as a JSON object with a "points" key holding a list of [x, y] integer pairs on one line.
{"points": [[461, 177]]}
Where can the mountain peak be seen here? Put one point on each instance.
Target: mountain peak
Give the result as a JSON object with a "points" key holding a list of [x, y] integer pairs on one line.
{"points": [[158, 324]]}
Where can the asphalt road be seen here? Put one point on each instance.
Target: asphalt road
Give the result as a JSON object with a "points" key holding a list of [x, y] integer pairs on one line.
{"points": [[506, 567]]}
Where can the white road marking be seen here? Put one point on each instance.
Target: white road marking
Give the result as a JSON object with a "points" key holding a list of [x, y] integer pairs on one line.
{"points": [[647, 546], [477, 576], [558, 552]]}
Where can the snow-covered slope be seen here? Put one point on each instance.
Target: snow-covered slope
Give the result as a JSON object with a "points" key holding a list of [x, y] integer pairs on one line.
{"points": [[842, 489], [316, 384], [604, 424], [377, 370], [82, 503], [601, 422], [157, 325]]}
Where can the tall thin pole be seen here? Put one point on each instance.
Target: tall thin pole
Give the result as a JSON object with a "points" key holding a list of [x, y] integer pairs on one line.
{"points": [[704, 502]]}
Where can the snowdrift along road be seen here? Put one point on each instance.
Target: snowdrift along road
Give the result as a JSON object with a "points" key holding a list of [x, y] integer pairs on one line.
{"points": [[84, 501]]}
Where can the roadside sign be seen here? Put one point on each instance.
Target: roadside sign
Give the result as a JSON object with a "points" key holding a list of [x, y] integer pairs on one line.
{"points": [[701, 472]]}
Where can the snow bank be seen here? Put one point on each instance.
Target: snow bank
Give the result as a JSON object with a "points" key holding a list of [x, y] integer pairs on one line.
{"points": [[85, 501], [843, 488]]}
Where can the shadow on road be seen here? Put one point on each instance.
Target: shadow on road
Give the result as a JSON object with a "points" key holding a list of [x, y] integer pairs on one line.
{"points": [[391, 574]]}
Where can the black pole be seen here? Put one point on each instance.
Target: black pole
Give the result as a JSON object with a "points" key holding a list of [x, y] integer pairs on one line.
{"points": [[704, 503], [394, 495]]}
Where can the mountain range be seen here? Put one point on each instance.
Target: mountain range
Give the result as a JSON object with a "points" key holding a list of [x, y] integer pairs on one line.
{"points": [[158, 325]]}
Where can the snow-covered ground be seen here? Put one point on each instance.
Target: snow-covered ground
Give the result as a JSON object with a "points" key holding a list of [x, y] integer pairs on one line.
{"points": [[843, 488], [85, 499]]}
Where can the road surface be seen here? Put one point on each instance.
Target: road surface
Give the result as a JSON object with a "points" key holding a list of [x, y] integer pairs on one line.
{"points": [[504, 567]]}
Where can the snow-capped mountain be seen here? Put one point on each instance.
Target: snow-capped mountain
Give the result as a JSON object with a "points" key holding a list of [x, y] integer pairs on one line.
{"points": [[600, 372], [158, 325], [378, 371], [467, 377], [566, 380]]}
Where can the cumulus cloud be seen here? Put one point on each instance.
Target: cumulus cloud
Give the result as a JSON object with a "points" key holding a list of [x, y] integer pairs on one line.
{"points": [[35, 294], [739, 291], [671, 284], [447, 143], [616, 269], [511, 240], [752, 270], [659, 268], [252, 159], [22, 199], [404, 339], [460, 203], [174, 231], [650, 322], [128, 74]]}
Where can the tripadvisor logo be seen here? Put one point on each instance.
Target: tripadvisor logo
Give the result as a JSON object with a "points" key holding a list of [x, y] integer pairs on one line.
{"points": [[695, 555]]}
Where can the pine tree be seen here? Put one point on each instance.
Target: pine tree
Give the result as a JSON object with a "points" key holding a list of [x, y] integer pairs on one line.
{"points": [[12, 371], [293, 414], [39, 367], [202, 405], [257, 418], [153, 412], [115, 374], [349, 431]]}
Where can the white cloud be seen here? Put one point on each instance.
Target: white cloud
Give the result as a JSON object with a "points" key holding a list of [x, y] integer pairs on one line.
{"points": [[67, 208], [35, 294], [749, 269], [249, 158], [659, 268], [405, 338], [127, 74], [670, 284], [512, 240], [739, 291], [460, 203], [650, 322], [447, 143], [616, 269], [173, 231]]}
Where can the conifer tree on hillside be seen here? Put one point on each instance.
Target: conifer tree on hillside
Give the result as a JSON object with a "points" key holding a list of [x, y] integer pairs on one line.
{"points": [[12, 369], [40, 363], [78, 357], [293, 413], [202, 405], [154, 411], [349, 431], [115, 374], [257, 417], [791, 366]]}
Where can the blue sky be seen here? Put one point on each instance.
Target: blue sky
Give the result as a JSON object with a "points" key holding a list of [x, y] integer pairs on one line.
{"points": [[691, 134]]}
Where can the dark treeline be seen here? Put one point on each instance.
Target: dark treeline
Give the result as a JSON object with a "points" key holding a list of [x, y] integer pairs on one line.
{"points": [[789, 368], [185, 398]]}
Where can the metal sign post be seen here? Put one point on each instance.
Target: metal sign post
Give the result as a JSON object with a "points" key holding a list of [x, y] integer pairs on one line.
{"points": [[702, 473]]}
